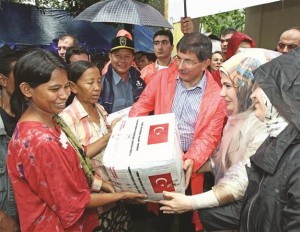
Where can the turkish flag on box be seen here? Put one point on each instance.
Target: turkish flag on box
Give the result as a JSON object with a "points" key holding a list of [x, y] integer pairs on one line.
{"points": [[144, 155], [158, 133], [162, 183]]}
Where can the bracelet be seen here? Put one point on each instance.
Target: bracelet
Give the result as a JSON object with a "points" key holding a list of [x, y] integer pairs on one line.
{"points": [[97, 183]]}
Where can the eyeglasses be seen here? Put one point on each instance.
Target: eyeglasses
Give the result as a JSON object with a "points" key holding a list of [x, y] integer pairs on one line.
{"points": [[163, 43], [186, 63], [289, 46]]}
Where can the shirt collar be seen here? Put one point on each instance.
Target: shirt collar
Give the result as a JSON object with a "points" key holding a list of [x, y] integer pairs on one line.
{"points": [[81, 113], [117, 77], [159, 67]]}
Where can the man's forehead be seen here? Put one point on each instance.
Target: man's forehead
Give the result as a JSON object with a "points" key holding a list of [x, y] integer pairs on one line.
{"points": [[290, 36], [77, 57], [187, 54], [67, 40], [161, 38], [227, 36], [123, 51]]}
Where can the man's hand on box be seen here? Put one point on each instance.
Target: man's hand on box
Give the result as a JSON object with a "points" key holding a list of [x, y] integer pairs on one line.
{"points": [[175, 203], [188, 168], [107, 187]]}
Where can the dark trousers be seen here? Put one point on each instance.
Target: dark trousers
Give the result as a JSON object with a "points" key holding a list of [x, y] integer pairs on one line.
{"points": [[221, 218], [146, 221]]}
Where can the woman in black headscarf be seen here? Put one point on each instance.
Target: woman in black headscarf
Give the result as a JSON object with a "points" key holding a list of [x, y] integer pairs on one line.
{"points": [[272, 199]]}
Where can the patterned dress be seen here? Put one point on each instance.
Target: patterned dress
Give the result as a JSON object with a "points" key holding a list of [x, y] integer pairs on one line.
{"points": [[50, 187]]}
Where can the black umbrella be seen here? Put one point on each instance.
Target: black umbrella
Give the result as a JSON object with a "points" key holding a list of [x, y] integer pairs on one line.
{"points": [[124, 11]]}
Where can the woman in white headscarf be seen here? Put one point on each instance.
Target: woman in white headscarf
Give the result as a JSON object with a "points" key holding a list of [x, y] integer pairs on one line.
{"points": [[272, 199], [242, 135]]}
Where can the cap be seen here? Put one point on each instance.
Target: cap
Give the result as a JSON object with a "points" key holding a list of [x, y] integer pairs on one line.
{"points": [[121, 42]]}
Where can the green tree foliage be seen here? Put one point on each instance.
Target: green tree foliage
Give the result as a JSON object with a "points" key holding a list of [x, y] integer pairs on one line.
{"points": [[216, 23]]}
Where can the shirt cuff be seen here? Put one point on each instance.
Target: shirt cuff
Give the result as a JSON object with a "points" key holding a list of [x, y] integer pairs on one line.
{"points": [[204, 200], [97, 183]]}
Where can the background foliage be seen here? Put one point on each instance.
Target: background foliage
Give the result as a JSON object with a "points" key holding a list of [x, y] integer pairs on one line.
{"points": [[216, 23]]}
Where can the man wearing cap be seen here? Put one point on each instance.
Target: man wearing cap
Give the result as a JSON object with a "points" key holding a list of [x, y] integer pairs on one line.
{"points": [[122, 84], [121, 32]]}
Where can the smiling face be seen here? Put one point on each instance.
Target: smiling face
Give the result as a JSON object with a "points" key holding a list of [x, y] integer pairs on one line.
{"points": [[121, 61], [88, 86], [260, 107], [190, 68], [50, 98], [229, 94]]}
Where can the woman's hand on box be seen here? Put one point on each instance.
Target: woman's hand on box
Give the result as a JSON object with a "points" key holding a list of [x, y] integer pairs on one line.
{"points": [[132, 197], [113, 123], [175, 203]]}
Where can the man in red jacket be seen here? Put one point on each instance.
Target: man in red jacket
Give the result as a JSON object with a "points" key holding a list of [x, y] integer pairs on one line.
{"points": [[192, 94]]}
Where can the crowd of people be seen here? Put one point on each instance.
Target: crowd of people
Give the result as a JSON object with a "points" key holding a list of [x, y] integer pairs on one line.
{"points": [[237, 113]]}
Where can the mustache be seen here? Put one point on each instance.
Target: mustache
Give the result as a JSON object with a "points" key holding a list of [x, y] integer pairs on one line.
{"points": [[183, 71]]}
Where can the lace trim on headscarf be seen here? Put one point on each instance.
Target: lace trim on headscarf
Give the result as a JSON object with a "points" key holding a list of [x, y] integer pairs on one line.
{"points": [[274, 121]]}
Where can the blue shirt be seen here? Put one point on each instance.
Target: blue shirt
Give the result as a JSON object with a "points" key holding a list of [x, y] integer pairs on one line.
{"points": [[7, 199], [186, 106], [123, 96]]}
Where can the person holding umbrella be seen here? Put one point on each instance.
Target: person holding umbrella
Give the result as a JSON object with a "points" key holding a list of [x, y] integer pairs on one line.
{"points": [[121, 32]]}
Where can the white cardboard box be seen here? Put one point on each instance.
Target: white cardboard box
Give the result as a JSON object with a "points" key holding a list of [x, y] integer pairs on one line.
{"points": [[118, 114], [144, 155]]}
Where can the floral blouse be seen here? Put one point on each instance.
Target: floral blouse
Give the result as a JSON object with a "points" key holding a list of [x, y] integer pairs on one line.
{"points": [[50, 187]]}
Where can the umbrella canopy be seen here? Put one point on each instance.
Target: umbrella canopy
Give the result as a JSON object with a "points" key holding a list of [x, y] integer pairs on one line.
{"points": [[124, 11], [24, 26]]}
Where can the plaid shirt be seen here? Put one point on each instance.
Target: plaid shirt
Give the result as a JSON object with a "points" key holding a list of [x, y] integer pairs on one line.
{"points": [[87, 132]]}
